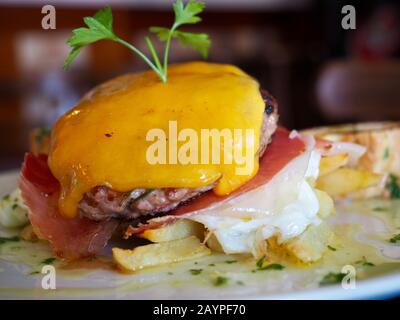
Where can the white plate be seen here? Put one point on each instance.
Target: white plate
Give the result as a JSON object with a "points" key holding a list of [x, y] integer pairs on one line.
{"points": [[292, 283]]}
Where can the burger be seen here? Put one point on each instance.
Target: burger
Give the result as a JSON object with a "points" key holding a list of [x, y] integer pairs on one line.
{"points": [[137, 154]]}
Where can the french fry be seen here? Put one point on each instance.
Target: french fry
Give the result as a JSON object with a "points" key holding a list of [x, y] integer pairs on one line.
{"points": [[330, 164], [180, 229], [344, 181], [326, 205], [311, 244], [156, 254], [213, 244], [382, 149]]}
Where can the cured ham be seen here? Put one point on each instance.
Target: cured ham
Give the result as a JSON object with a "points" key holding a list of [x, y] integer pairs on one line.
{"points": [[70, 238]]}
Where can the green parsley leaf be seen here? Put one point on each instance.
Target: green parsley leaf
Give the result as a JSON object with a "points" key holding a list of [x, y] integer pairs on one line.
{"points": [[48, 260], [395, 238], [332, 278], [195, 272], [211, 264], [100, 27], [162, 33], [197, 41], [331, 248], [6, 197], [72, 55], [273, 266], [220, 281], [11, 239], [393, 187], [187, 14], [105, 18]]}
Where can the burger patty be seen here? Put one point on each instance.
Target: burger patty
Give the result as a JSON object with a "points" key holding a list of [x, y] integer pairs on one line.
{"points": [[103, 203]]}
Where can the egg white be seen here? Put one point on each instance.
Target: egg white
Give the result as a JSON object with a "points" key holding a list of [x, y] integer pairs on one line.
{"points": [[284, 207]]}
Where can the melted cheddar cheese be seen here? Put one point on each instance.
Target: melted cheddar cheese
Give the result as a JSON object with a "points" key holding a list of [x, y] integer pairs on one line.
{"points": [[102, 140]]}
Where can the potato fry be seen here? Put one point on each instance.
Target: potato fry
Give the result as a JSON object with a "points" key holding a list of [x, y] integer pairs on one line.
{"points": [[326, 205], [382, 149], [213, 244], [156, 254], [330, 164], [180, 229], [311, 244], [344, 180]]}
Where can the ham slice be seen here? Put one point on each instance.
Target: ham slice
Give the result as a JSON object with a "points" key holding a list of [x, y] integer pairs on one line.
{"points": [[81, 237], [70, 238], [278, 154]]}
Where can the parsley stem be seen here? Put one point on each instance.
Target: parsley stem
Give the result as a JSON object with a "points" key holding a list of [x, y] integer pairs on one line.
{"points": [[153, 53], [167, 45], [160, 73]]}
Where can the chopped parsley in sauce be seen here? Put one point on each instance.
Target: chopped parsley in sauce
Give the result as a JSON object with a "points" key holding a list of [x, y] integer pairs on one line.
{"points": [[220, 281], [395, 239], [393, 187], [196, 272], [11, 239], [48, 260], [332, 278]]}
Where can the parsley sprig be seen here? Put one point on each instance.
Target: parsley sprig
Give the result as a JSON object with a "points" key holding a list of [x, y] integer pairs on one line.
{"points": [[100, 27]]}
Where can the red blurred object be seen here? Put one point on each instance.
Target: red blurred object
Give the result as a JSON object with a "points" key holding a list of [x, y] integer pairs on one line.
{"points": [[380, 37]]}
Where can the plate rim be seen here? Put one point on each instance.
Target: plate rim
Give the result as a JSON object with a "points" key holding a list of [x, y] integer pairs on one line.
{"points": [[378, 287]]}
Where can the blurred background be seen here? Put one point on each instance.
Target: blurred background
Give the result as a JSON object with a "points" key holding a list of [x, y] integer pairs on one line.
{"points": [[297, 49]]}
